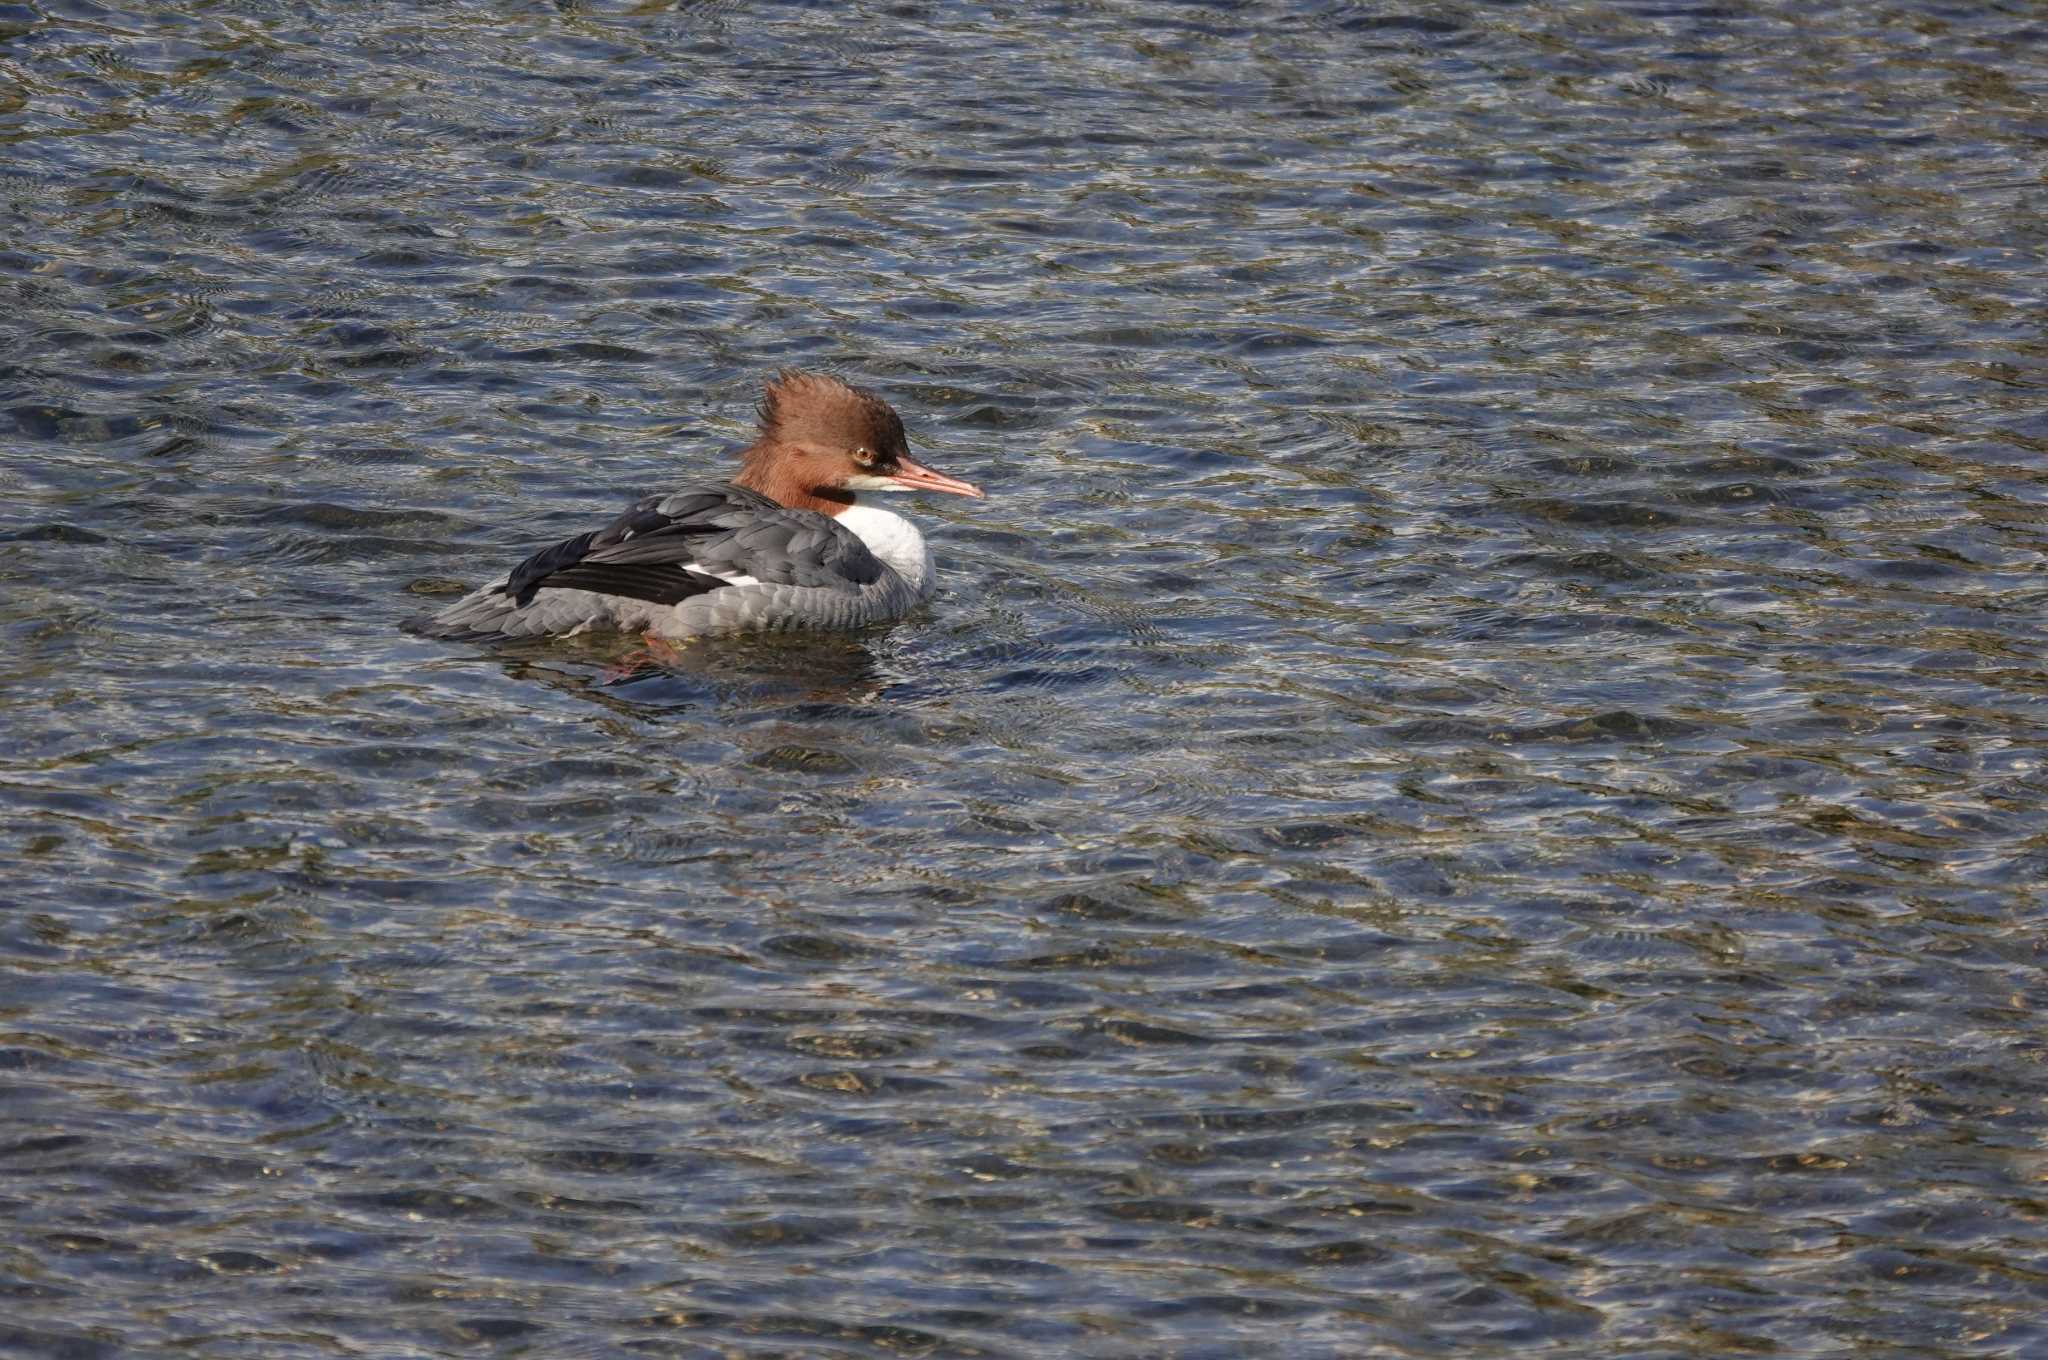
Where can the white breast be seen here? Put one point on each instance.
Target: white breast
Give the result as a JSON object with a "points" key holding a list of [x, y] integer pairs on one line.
{"points": [[896, 541]]}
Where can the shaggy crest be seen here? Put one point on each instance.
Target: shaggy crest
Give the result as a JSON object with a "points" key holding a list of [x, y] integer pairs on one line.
{"points": [[820, 410]]}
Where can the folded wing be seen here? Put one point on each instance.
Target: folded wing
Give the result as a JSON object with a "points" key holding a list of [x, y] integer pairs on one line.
{"points": [[671, 547]]}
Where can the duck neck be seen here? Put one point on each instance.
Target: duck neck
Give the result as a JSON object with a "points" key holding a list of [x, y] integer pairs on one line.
{"points": [[895, 540], [770, 469]]}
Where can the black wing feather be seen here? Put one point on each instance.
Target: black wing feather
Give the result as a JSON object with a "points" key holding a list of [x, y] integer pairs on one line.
{"points": [[655, 584], [527, 576]]}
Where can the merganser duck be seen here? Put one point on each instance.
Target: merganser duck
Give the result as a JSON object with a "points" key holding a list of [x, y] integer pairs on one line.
{"points": [[786, 544]]}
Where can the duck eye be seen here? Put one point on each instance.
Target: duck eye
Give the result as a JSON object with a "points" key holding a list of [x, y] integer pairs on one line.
{"points": [[864, 456]]}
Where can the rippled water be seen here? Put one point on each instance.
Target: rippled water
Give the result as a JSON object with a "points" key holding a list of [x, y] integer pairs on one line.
{"points": [[1475, 789]]}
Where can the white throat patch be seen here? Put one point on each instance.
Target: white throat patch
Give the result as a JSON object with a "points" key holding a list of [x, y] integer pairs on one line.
{"points": [[867, 481]]}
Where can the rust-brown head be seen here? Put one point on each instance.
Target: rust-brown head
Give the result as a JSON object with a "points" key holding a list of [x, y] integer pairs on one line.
{"points": [[822, 441]]}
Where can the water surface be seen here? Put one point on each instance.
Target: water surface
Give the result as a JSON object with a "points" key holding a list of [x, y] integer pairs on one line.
{"points": [[1475, 788]]}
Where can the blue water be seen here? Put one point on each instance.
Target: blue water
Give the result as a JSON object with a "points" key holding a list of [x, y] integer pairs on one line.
{"points": [[1475, 789]]}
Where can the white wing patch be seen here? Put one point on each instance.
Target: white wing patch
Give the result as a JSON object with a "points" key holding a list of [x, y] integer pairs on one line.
{"points": [[731, 578]]}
